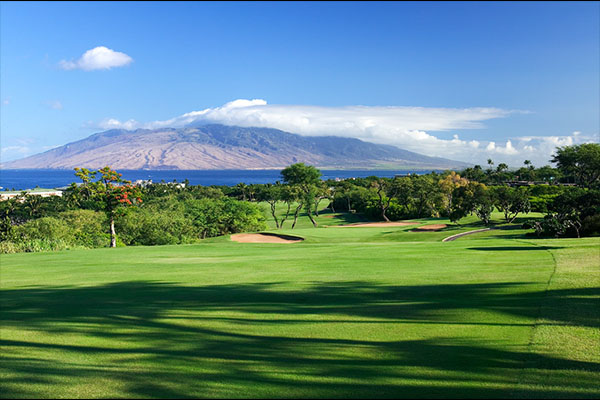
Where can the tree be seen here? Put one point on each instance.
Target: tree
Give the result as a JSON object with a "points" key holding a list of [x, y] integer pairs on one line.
{"points": [[447, 186], [33, 204], [474, 174], [386, 190], [301, 175], [469, 198], [288, 196], [346, 187], [511, 201], [271, 194], [426, 195], [501, 167], [111, 193], [242, 189], [574, 206], [548, 174], [306, 178], [322, 192], [580, 161]]}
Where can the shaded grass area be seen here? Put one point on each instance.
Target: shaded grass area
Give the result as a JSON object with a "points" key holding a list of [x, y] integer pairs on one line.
{"points": [[347, 313]]}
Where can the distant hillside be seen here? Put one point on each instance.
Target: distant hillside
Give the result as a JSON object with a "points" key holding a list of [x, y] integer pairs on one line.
{"points": [[224, 147]]}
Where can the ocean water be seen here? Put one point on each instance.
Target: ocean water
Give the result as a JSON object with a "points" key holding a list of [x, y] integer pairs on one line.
{"points": [[29, 178]]}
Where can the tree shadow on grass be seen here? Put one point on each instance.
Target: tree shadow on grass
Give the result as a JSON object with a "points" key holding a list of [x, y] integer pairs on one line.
{"points": [[138, 333], [515, 248]]}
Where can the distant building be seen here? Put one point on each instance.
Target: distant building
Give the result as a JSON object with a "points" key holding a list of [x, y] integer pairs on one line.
{"points": [[143, 182]]}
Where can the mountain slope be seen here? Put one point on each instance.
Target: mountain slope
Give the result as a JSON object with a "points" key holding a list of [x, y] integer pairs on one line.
{"points": [[223, 147]]}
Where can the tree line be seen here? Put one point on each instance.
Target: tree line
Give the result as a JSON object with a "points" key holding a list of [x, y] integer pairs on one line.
{"points": [[105, 210]]}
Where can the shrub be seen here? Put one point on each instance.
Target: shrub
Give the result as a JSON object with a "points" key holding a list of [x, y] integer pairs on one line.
{"points": [[7, 247], [46, 228], [590, 225], [149, 226], [87, 227], [555, 225]]}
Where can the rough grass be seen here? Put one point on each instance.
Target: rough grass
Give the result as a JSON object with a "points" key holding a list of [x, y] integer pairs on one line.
{"points": [[358, 312]]}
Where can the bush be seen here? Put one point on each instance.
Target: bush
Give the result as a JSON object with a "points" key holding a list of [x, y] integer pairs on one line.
{"points": [[70, 229], [46, 228], [395, 212], [555, 225], [590, 225], [8, 247], [542, 203], [224, 216], [149, 226], [33, 245], [87, 227]]}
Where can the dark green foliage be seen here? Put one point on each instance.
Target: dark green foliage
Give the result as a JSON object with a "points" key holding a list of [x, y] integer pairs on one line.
{"points": [[301, 174], [352, 198], [590, 225], [173, 213], [43, 228], [88, 227], [582, 162], [511, 201], [307, 179], [220, 217], [468, 198], [574, 212], [555, 225], [148, 226], [170, 221], [77, 228]]}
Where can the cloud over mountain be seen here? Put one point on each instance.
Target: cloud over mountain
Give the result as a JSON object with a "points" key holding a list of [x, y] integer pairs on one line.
{"points": [[407, 127]]}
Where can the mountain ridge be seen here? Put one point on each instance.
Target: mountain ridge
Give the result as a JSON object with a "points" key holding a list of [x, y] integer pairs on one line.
{"points": [[214, 146]]}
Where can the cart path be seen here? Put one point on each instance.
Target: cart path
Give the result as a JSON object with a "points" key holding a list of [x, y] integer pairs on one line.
{"points": [[454, 237]]}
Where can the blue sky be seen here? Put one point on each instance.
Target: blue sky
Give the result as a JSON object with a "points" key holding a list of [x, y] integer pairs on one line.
{"points": [[468, 81]]}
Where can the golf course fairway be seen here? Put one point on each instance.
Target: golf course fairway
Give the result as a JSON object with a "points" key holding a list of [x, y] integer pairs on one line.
{"points": [[365, 312]]}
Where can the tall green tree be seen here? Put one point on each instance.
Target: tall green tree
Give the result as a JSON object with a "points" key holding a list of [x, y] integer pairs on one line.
{"points": [[511, 201], [306, 178], [270, 194], [386, 190], [112, 194], [582, 162]]}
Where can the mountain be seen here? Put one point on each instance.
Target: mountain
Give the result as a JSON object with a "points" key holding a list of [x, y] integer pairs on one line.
{"points": [[223, 147]]}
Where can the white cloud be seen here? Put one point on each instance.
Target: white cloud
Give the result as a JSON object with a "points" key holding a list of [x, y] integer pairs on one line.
{"points": [[98, 58], [111, 123], [406, 127], [6, 102]]}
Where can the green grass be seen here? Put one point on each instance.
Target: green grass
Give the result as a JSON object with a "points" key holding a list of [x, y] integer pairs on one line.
{"points": [[349, 312]]}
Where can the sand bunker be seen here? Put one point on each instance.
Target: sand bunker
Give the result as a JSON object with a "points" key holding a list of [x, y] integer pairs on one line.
{"points": [[264, 238], [430, 228], [376, 224]]}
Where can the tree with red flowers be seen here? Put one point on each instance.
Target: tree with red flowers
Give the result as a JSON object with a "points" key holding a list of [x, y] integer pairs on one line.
{"points": [[111, 193]]}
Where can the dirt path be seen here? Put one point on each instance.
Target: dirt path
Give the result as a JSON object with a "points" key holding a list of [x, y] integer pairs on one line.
{"points": [[264, 238], [454, 237]]}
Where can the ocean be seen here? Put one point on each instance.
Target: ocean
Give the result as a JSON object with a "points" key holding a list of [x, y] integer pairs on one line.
{"points": [[14, 179]]}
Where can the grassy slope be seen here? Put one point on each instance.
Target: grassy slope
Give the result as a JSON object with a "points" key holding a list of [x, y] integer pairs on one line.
{"points": [[349, 312]]}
